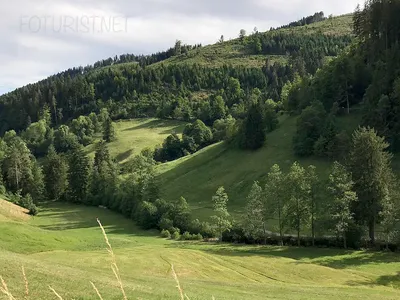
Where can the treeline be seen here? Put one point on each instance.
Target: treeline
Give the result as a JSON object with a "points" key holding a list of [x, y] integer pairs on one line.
{"points": [[167, 90], [367, 76], [317, 17], [358, 200], [247, 131]]}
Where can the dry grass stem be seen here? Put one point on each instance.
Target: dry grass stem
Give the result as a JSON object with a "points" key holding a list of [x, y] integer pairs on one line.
{"points": [[114, 266], [55, 293], [178, 285], [4, 289], [97, 291], [26, 282]]}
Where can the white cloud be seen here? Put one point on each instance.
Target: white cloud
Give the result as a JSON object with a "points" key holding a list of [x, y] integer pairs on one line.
{"points": [[28, 54]]}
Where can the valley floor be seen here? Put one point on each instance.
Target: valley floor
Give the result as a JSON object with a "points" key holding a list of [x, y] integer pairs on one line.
{"points": [[64, 248]]}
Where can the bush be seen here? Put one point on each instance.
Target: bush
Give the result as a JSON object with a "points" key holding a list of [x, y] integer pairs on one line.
{"points": [[165, 234], [198, 237], [176, 235], [186, 236]]}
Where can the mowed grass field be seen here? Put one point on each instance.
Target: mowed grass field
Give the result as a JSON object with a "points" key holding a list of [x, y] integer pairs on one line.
{"points": [[135, 135], [64, 248]]}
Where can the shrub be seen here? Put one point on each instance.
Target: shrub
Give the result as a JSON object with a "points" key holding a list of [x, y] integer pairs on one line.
{"points": [[186, 236], [198, 237], [165, 234], [176, 235]]}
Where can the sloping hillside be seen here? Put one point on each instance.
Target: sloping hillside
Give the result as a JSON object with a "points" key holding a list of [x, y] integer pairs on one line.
{"points": [[64, 248], [12, 212]]}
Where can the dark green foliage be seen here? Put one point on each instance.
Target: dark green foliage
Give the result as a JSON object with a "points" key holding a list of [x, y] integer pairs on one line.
{"points": [[172, 148], [108, 131], [371, 168], [309, 129], [55, 171], [200, 133], [78, 175], [104, 183], [25, 202], [252, 135]]}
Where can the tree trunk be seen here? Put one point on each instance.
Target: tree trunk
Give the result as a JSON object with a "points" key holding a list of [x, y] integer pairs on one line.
{"points": [[298, 238], [344, 240], [371, 227], [280, 227], [265, 234]]}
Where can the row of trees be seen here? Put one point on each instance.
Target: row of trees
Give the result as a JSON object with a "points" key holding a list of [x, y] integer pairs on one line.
{"points": [[364, 193]]}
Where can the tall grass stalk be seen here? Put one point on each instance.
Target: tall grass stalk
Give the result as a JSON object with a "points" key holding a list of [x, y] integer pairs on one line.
{"points": [[55, 293], [26, 282], [114, 265], [97, 291], [4, 289]]}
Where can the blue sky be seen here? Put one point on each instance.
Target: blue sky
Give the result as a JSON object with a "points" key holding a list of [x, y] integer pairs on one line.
{"points": [[43, 37]]}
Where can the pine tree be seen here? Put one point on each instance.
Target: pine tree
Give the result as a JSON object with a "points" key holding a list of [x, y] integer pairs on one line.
{"points": [[256, 217], [221, 219], [109, 131], [55, 175], [253, 131], [78, 175], [341, 188], [275, 200], [371, 169], [104, 183]]}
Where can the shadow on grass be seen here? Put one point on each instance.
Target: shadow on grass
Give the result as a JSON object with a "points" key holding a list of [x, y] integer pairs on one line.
{"points": [[124, 155], [333, 258], [63, 216], [177, 126]]}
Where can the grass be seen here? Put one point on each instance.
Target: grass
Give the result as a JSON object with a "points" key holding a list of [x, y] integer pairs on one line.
{"points": [[66, 250], [135, 135], [197, 177]]}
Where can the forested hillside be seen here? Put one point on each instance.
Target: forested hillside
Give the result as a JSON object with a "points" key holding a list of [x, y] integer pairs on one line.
{"points": [[316, 83], [180, 83]]}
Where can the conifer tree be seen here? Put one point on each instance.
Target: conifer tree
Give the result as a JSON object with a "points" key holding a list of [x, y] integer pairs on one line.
{"points": [[78, 175], [55, 175]]}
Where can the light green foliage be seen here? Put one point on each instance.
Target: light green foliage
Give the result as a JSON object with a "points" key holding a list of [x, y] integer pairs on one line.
{"points": [[341, 188], [255, 218], [275, 197], [222, 218], [297, 209]]}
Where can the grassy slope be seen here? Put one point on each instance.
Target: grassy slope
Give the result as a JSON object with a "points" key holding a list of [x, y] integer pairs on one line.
{"points": [[135, 135], [64, 248], [233, 52], [197, 177]]}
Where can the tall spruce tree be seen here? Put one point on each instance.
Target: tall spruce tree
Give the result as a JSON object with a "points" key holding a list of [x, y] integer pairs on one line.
{"points": [[371, 168], [55, 175], [253, 130], [78, 175], [109, 134]]}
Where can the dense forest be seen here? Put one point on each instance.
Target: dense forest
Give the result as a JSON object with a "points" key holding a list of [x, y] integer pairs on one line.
{"points": [[323, 77]]}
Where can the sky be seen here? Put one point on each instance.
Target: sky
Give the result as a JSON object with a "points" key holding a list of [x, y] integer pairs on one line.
{"points": [[43, 37]]}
